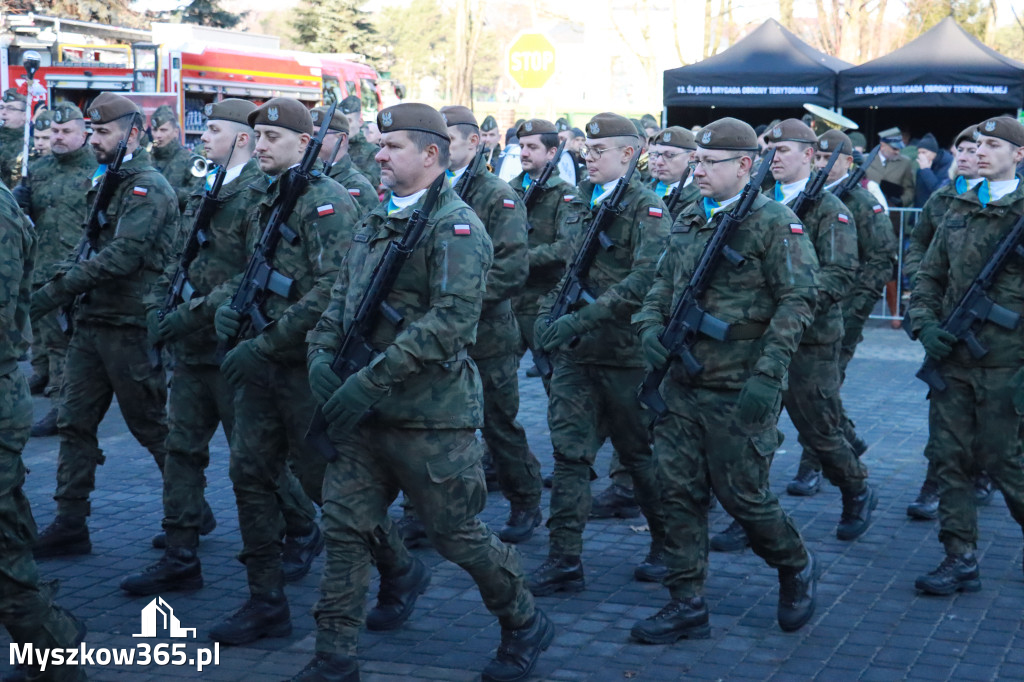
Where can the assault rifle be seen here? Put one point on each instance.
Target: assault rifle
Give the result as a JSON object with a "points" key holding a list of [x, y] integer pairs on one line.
{"points": [[260, 275], [689, 320], [853, 179], [673, 199], [533, 191], [355, 351], [811, 193], [976, 308], [576, 291], [465, 183]]}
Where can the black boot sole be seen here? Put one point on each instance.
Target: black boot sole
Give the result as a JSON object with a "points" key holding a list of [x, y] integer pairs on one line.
{"points": [[545, 642], [567, 586], [694, 632], [962, 586], [850, 536], [917, 514]]}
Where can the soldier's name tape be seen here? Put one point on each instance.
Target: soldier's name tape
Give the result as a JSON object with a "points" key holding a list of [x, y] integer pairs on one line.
{"points": [[141, 654]]}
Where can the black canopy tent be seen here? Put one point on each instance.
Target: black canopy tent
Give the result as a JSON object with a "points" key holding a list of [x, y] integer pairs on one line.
{"points": [[770, 70]]}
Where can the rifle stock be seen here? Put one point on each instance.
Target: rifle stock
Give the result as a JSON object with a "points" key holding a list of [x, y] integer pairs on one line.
{"points": [[854, 178], [811, 193]]}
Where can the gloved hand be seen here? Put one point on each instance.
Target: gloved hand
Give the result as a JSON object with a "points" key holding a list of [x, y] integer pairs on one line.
{"points": [[23, 195], [243, 362], [152, 328], [180, 322], [227, 322], [758, 399], [558, 334], [655, 354], [1017, 382], [43, 301], [349, 403], [937, 342], [322, 379]]}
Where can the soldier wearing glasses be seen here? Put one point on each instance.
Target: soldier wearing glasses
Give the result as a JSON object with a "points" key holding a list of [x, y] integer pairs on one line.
{"points": [[669, 155]]}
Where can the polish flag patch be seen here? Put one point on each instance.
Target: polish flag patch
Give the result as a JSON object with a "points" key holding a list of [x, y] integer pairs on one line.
{"points": [[462, 230], [508, 203], [843, 218], [354, 192], [326, 209], [796, 228], [140, 191], [655, 212], [568, 197], [877, 208]]}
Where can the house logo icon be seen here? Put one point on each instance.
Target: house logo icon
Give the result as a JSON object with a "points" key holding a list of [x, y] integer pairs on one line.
{"points": [[159, 616]]}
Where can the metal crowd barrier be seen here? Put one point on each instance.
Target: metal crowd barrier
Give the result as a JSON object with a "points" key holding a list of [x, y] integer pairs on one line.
{"points": [[905, 219]]}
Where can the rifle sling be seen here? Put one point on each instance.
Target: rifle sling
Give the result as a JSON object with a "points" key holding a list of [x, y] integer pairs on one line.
{"points": [[747, 331]]}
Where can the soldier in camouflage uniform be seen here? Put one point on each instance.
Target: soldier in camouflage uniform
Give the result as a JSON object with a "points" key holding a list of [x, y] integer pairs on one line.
{"points": [[361, 151], [107, 354], [343, 171], [170, 156], [13, 115], [490, 135], [273, 403], [593, 386], [26, 607], [670, 153], [41, 136], [425, 394], [720, 431], [975, 422]]}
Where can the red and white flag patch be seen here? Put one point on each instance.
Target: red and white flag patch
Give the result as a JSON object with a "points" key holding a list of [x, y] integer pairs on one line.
{"points": [[877, 208], [354, 192], [462, 230], [508, 203], [796, 228], [140, 191], [655, 212], [843, 218], [325, 210], [568, 197]]}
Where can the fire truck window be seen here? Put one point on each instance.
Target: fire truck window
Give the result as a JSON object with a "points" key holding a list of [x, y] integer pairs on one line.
{"points": [[332, 91], [350, 88], [368, 94]]}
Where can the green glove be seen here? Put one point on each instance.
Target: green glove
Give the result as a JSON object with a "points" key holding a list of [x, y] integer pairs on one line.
{"points": [[153, 327], [243, 362], [1017, 382], [558, 334], [43, 301], [758, 399], [937, 342], [227, 323], [655, 354], [180, 322], [322, 379], [349, 404]]}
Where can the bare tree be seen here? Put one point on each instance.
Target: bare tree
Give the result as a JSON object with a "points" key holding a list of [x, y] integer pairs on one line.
{"points": [[469, 24]]}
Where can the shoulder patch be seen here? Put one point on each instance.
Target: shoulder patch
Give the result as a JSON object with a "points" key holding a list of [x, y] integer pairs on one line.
{"points": [[354, 192], [508, 203], [655, 212], [568, 197], [462, 229], [140, 191], [843, 218], [325, 210], [796, 228], [877, 208]]}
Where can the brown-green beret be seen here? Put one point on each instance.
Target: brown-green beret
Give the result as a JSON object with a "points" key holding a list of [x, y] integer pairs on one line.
{"points": [[562, 124], [413, 116], [66, 111], [791, 130], [1003, 127], [109, 107], [338, 122], [350, 105], [456, 115], [489, 124], [675, 136], [12, 95], [831, 140], [608, 124], [163, 114], [727, 133], [649, 121], [234, 110], [535, 126], [283, 112], [43, 120], [967, 134]]}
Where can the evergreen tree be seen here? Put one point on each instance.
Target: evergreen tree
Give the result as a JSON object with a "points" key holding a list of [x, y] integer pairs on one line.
{"points": [[333, 26], [208, 13]]}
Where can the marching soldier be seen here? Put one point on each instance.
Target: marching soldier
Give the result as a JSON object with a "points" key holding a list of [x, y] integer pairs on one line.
{"points": [[670, 153], [361, 151], [170, 157], [343, 171], [14, 115], [41, 135]]}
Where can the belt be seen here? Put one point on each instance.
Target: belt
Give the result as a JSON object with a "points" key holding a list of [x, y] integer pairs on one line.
{"points": [[461, 355], [746, 331], [499, 309]]}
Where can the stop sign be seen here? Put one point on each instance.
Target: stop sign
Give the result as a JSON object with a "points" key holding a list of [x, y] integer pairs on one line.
{"points": [[531, 60]]}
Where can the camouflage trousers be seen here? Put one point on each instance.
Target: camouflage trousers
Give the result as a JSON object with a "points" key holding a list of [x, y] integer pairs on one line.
{"points": [[587, 402], [526, 320], [973, 425], [26, 607], [200, 400], [49, 353], [105, 361], [701, 447], [271, 417], [813, 403], [440, 471]]}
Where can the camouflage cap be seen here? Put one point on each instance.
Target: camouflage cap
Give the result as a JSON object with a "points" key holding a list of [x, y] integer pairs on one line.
{"points": [[535, 126], [648, 121], [66, 111], [967, 134], [234, 110], [892, 137], [791, 130], [283, 112], [107, 107], [831, 140], [489, 123], [413, 116], [608, 124], [1004, 128], [163, 114], [675, 136], [43, 119], [350, 105], [562, 124], [727, 133], [455, 115], [12, 95], [338, 122], [858, 139]]}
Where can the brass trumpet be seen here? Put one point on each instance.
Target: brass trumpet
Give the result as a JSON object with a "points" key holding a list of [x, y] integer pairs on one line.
{"points": [[200, 166]]}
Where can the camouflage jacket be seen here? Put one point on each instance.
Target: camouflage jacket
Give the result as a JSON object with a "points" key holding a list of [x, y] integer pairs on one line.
{"points": [[504, 218], [359, 188], [620, 276], [550, 238], [876, 245], [12, 142], [966, 238], [131, 251], [439, 293], [362, 153], [17, 251], [924, 229], [687, 195], [769, 299], [174, 161], [60, 185]]}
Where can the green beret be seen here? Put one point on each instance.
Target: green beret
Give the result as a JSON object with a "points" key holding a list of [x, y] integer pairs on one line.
{"points": [[608, 124], [283, 112], [350, 105], [338, 122], [967, 134], [234, 110], [66, 111], [791, 130], [727, 133], [163, 114], [858, 139], [12, 95], [455, 115], [535, 126], [562, 124], [1003, 127], [413, 116], [488, 124], [831, 140], [648, 121], [640, 130], [43, 120], [109, 107], [675, 136], [892, 137]]}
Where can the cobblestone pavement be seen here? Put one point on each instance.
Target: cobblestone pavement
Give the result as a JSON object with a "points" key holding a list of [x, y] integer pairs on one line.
{"points": [[870, 623]]}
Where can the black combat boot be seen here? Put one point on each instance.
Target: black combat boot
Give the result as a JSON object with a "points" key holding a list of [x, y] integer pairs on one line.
{"points": [[732, 539], [397, 597], [206, 526], [412, 531], [652, 569], [549, 481], [807, 482], [519, 649], [857, 508], [926, 506], [982, 489], [46, 426], [859, 446], [520, 525], [37, 383], [177, 571], [264, 615], [299, 552], [616, 501], [956, 573], [560, 573], [65, 536], [797, 595], [679, 619], [329, 668]]}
